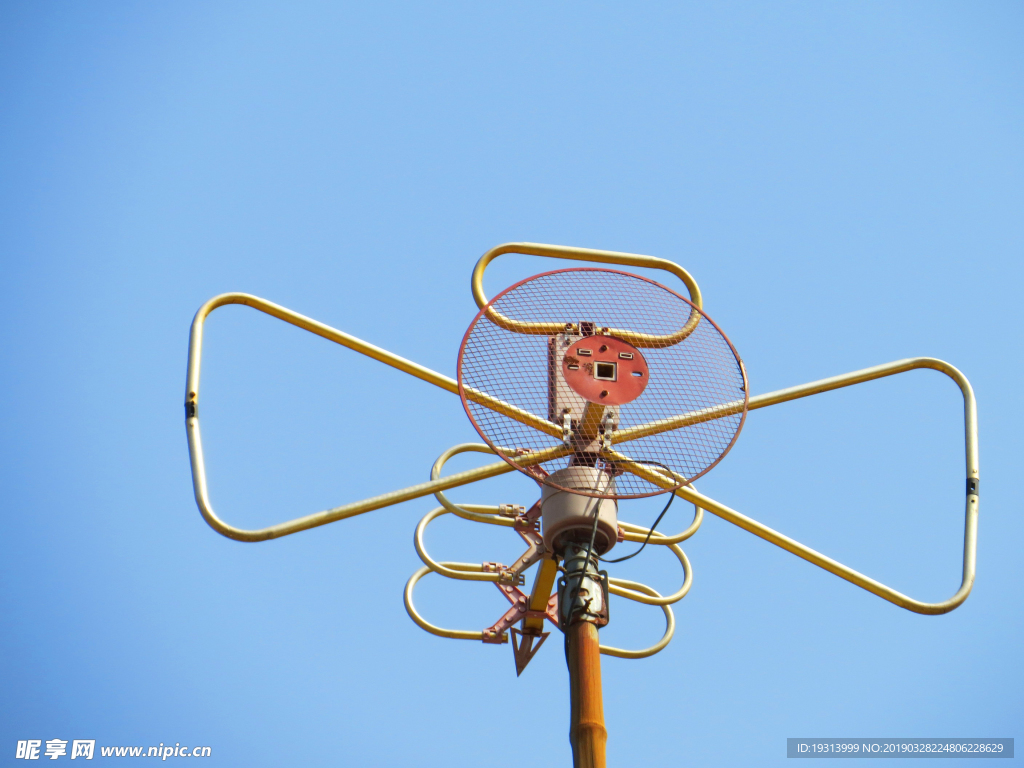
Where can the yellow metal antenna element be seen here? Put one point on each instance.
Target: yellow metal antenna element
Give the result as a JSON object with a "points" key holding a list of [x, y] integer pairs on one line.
{"points": [[568, 590], [599, 257]]}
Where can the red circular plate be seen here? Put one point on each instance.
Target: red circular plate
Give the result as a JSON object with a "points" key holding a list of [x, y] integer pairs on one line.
{"points": [[605, 370]]}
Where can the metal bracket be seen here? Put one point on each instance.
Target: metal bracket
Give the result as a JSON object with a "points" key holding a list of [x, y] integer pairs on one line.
{"points": [[505, 574], [527, 525], [520, 610]]}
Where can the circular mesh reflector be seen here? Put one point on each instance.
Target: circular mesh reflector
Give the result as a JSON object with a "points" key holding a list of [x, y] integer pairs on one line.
{"points": [[596, 367]]}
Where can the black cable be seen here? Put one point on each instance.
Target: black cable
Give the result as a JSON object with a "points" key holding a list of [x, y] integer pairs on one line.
{"points": [[671, 498]]}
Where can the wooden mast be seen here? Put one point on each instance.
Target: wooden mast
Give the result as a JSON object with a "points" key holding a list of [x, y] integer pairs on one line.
{"points": [[586, 731]]}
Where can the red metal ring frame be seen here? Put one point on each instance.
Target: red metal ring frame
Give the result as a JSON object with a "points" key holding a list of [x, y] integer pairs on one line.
{"points": [[543, 480]]}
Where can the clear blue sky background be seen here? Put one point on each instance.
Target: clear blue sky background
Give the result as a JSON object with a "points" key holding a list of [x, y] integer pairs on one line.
{"points": [[845, 181]]}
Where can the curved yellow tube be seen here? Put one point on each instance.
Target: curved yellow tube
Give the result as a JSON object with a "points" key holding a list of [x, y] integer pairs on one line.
{"points": [[586, 254], [638, 533], [466, 511], [619, 586], [455, 571], [812, 556], [454, 634], [195, 443], [628, 589], [670, 625]]}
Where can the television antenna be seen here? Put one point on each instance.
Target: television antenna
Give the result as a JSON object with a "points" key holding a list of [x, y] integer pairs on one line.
{"points": [[600, 385]]}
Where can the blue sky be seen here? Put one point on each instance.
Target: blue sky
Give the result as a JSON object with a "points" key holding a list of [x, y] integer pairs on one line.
{"points": [[845, 182]]}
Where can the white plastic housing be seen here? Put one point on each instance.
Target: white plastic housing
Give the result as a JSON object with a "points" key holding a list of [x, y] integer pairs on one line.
{"points": [[569, 517]]}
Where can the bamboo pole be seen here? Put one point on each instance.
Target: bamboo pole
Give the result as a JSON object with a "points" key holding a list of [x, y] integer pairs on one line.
{"points": [[586, 730]]}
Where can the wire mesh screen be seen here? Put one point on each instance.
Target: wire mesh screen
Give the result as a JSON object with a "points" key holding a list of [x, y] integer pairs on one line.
{"points": [[512, 377]]}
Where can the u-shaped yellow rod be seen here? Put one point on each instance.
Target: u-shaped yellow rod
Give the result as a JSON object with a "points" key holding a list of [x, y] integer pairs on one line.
{"points": [[195, 442], [823, 561], [600, 257]]}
